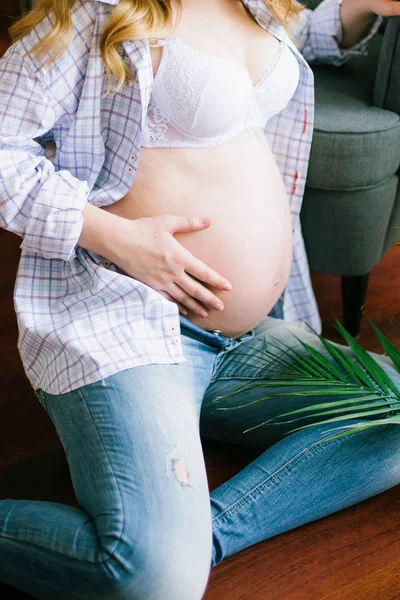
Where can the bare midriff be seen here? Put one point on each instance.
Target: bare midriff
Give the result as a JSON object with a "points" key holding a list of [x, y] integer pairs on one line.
{"points": [[239, 186]]}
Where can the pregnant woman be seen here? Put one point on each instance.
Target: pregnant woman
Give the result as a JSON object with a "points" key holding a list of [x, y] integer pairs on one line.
{"points": [[153, 155]]}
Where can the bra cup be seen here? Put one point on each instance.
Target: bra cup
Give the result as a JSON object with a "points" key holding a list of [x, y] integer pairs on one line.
{"points": [[225, 101], [274, 93], [206, 98], [178, 85], [199, 100]]}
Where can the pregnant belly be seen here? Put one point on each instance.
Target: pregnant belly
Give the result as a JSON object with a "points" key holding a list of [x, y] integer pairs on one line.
{"points": [[237, 185]]}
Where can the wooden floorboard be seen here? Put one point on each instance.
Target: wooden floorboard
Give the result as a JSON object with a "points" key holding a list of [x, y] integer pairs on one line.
{"points": [[350, 555]]}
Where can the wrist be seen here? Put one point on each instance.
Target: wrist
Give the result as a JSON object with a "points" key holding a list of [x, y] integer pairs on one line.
{"points": [[103, 232], [119, 239]]}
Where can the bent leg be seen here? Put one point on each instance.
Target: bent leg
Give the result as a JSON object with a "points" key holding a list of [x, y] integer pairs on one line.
{"points": [[144, 527], [299, 477]]}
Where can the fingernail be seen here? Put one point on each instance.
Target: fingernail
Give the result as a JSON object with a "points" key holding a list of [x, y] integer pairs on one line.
{"points": [[227, 286], [204, 313], [219, 306]]}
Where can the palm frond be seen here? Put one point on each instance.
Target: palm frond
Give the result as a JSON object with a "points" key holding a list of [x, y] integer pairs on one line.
{"points": [[370, 365], [387, 345], [354, 415], [364, 386]]}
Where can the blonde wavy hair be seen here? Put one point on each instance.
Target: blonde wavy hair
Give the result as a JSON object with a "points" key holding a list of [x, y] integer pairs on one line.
{"points": [[129, 20]]}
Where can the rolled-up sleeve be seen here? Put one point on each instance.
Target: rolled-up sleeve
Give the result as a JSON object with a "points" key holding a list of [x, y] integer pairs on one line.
{"points": [[38, 203], [319, 33]]}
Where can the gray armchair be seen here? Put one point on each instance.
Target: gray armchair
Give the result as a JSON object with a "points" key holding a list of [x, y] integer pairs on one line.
{"points": [[351, 210]]}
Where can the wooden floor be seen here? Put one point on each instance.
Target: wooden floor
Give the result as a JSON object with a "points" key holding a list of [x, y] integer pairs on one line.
{"points": [[351, 555]]}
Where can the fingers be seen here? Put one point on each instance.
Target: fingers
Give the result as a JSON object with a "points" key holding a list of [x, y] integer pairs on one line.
{"points": [[182, 309], [191, 289], [193, 265], [190, 273], [185, 299], [186, 224], [203, 273]]}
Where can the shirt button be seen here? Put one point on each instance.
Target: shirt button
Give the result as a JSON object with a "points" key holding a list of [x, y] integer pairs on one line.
{"points": [[35, 387], [106, 263], [133, 157], [176, 341], [130, 169]]}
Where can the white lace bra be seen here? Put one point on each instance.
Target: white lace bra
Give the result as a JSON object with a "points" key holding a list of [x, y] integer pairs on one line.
{"points": [[199, 99]]}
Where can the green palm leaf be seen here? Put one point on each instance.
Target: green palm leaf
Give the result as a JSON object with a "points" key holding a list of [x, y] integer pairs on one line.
{"points": [[364, 386], [387, 345], [351, 368], [354, 415], [328, 367], [314, 406], [371, 366]]}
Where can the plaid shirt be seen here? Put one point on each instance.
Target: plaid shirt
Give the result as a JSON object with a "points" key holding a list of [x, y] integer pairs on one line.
{"points": [[79, 319]]}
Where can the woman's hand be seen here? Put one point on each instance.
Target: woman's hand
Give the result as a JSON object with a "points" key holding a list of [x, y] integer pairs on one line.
{"points": [[149, 252]]}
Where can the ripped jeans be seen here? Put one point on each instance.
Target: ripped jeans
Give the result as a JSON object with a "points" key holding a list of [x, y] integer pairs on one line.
{"points": [[148, 527]]}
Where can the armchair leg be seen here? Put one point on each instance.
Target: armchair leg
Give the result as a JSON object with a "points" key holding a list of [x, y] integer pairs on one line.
{"points": [[354, 290]]}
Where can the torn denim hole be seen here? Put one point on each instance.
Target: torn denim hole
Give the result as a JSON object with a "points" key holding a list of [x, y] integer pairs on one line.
{"points": [[177, 466]]}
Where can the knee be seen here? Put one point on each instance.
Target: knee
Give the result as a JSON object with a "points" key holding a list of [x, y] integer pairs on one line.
{"points": [[160, 554], [179, 576], [164, 574]]}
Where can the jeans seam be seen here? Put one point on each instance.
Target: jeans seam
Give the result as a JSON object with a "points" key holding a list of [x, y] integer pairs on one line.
{"points": [[36, 545], [215, 367], [309, 450], [103, 562], [16, 541], [220, 356], [247, 376]]}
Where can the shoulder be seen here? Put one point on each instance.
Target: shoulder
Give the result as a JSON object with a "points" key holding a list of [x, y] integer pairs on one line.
{"points": [[88, 17], [64, 77]]}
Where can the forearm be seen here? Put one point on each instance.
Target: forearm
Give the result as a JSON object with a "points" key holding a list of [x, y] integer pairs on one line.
{"points": [[103, 232], [356, 18]]}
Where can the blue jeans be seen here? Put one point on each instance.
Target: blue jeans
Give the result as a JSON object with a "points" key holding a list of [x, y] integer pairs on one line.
{"points": [[148, 527]]}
